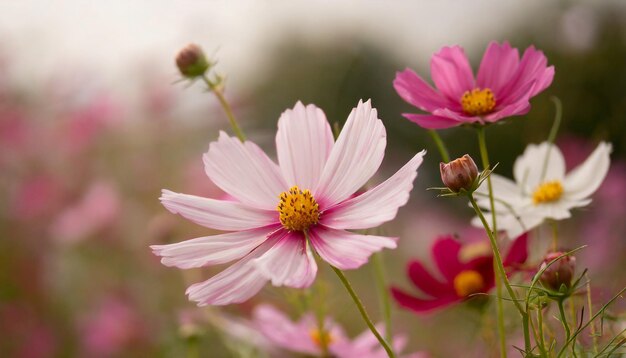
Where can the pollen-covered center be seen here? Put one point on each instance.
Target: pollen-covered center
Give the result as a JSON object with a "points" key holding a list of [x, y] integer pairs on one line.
{"points": [[468, 282], [298, 209], [478, 102], [322, 339], [547, 192]]}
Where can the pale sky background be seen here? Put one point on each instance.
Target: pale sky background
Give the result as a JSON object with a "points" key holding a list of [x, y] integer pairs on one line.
{"points": [[112, 39]]}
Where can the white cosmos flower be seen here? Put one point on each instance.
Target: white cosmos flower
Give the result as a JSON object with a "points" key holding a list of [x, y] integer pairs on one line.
{"points": [[542, 190]]}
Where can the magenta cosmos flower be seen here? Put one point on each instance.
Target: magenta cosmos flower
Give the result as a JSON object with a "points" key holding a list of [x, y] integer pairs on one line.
{"points": [[304, 336], [466, 269], [503, 88], [275, 207]]}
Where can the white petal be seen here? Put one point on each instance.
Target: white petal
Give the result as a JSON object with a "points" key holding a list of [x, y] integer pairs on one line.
{"points": [[289, 261], [303, 143], [377, 205], [212, 250], [236, 284], [217, 214], [585, 179], [244, 172], [531, 168], [346, 250], [507, 195], [355, 157]]}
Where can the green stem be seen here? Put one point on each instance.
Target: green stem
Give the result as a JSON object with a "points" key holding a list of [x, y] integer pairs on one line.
{"points": [[568, 333], [383, 294], [361, 308], [502, 273], [440, 145], [592, 327], [227, 109], [482, 143], [542, 342]]}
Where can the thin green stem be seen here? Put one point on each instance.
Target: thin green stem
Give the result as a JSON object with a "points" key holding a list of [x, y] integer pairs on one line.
{"points": [[482, 144], [563, 319], [440, 145], [215, 88], [502, 274], [361, 308], [592, 327], [541, 341], [383, 294], [555, 235]]}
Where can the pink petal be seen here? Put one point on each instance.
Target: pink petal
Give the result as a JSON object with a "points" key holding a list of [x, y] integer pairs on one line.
{"points": [[284, 333], [244, 172], [451, 72], [431, 122], [377, 205], [420, 305], [516, 109], [518, 252], [217, 214], [461, 118], [212, 250], [413, 89], [425, 281], [532, 69], [346, 250], [446, 255], [288, 261], [356, 156], [585, 179], [303, 142], [498, 66], [236, 284]]}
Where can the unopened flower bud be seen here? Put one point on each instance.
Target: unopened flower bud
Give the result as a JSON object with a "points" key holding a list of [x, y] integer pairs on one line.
{"points": [[191, 61], [459, 174], [559, 273]]}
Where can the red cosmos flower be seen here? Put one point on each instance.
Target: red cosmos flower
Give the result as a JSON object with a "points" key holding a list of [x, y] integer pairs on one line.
{"points": [[502, 88], [462, 277]]}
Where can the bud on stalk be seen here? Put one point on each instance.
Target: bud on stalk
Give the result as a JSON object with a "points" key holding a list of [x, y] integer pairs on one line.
{"points": [[459, 174], [191, 61], [559, 273]]}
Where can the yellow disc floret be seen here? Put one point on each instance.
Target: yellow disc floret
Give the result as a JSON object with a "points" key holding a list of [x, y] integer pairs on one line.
{"points": [[298, 209], [478, 102], [468, 282], [547, 192], [320, 339]]}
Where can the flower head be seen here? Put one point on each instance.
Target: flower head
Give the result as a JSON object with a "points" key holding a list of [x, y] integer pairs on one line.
{"points": [[191, 61], [503, 87], [542, 190], [304, 336], [464, 269], [560, 272], [280, 213]]}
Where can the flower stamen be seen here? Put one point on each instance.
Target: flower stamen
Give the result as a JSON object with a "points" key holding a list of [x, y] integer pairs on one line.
{"points": [[298, 209], [478, 102], [548, 192], [468, 282], [322, 339]]}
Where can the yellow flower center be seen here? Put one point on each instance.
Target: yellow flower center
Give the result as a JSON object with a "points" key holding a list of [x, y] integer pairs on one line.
{"points": [[298, 209], [468, 282], [478, 102], [320, 339], [547, 192]]}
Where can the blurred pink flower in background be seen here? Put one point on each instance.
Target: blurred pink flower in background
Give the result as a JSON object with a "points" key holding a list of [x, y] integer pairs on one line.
{"points": [[24, 333], [271, 213], [305, 337], [98, 209], [35, 197], [467, 269], [110, 328], [503, 87]]}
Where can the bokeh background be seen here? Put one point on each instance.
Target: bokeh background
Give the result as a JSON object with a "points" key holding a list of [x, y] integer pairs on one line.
{"points": [[93, 124]]}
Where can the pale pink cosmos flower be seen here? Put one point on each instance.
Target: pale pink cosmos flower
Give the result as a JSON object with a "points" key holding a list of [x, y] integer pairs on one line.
{"points": [[503, 87], [273, 206], [304, 336]]}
